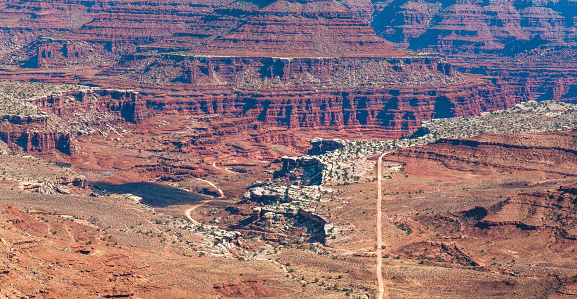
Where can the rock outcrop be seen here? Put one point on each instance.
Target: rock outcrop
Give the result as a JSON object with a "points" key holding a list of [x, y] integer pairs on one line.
{"points": [[281, 203], [512, 151], [292, 28], [61, 119], [308, 170], [288, 64], [528, 46], [540, 210], [321, 146], [37, 142], [126, 104], [471, 27]]}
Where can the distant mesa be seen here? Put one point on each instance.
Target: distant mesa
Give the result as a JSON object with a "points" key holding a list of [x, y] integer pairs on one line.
{"points": [[321, 28]]}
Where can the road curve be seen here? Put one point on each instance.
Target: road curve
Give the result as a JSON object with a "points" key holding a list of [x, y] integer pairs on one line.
{"points": [[214, 186], [223, 169], [379, 252], [189, 211]]}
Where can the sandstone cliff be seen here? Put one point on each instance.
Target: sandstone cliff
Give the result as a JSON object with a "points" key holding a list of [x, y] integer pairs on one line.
{"points": [[259, 67], [468, 26], [62, 118]]}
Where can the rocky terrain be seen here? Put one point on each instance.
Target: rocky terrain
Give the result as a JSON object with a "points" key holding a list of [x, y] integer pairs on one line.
{"points": [[291, 64], [485, 26], [304, 218], [229, 148], [492, 205], [67, 253], [345, 161], [453, 214], [520, 42]]}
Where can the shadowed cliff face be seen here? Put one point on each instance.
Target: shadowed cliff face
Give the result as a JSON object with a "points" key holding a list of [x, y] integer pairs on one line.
{"points": [[260, 66], [526, 44], [290, 64], [453, 27]]}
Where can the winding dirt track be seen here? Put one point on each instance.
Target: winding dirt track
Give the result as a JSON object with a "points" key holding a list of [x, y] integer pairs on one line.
{"points": [[379, 252], [223, 169], [215, 187], [189, 211]]}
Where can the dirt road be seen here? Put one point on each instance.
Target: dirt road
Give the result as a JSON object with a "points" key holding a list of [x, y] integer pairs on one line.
{"points": [[190, 210], [379, 252], [223, 169], [215, 187]]}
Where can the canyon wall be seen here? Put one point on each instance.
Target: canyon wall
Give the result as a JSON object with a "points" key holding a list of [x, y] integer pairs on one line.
{"points": [[399, 110], [473, 27], [125, 104], [529, 45], [53, 130], [391, 95], [261, 67], [37, 142]]}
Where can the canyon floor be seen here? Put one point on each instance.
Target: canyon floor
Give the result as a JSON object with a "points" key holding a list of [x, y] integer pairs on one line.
{"points": [[286, 149], [483, 216]]}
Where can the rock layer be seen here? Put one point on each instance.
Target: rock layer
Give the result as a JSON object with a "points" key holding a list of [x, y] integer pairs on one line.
{"points": [[475, 26]]}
